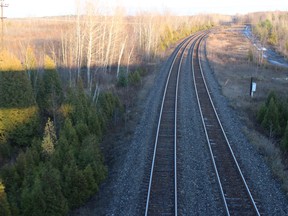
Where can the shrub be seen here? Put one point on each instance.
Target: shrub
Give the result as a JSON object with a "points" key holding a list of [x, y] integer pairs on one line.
{"points": [[284, 141], [250, 55], [122, 80], [271, 118], [273, 38], [134, 78], [4, 205]]}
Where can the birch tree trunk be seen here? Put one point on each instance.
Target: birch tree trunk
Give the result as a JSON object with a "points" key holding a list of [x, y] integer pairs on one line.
{"points": [[79, 45], [120, 56]]}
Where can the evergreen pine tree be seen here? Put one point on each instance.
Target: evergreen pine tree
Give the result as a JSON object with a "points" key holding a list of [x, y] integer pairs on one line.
{"points": [[49, 139], [33, 199], [50, 95], [91, 183], [271, 118], [4, 204], [18, 110], [261, 113], [71, 135], [285, 138], [56, 203], [75, 186], [63, 154], [271, 95], [82, 131]]}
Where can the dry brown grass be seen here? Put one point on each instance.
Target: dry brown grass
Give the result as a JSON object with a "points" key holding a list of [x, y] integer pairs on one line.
{"points": [[228, 55], [40, 34], [272, 155]]}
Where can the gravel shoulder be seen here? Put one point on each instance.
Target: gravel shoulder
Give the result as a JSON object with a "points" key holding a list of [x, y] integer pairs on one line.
{"points": [[261, 181]]}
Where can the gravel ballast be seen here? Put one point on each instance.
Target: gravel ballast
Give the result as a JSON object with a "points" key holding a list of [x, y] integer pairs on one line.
{"points": [[264, 188], [198, 191]]}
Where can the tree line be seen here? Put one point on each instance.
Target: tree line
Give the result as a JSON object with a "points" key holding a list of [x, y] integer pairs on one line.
{"points": [[97, 41], [270, 28], [49, 140]]}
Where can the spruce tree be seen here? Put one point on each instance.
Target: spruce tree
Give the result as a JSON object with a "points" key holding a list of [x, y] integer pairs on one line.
{"points": [[18, 110], [70, 133], [49, 139], [271, 118], [50, 95], [33, 199], [89, 176], [74, 184], [56, 203], [4, 204], [284, 141], [271, 95], [261, 113]]}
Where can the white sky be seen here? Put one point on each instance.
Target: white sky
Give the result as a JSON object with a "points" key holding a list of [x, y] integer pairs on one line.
{"points": [[30, 8]]}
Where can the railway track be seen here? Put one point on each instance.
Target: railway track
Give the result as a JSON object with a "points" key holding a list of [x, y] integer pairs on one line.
{"points": [[162, 191], [236, 195]]}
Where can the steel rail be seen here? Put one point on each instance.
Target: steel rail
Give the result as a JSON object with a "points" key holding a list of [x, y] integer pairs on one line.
{"points": [[182, 47], [222, 130]]}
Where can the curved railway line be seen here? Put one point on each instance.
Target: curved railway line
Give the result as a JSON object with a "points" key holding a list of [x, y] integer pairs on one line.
{"points": [[236, 195], [162, 189]]}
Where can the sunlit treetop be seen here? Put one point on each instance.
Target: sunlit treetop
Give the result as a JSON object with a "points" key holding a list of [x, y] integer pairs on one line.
{"points": [[49, 64], [9, 63]]}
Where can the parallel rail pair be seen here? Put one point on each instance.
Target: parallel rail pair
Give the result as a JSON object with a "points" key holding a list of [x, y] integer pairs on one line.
{"points": [[162, 190]]}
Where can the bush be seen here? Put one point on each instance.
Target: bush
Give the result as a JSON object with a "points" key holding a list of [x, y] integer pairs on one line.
{"points": [[284, 141], [122, 79], [250, 55], [134, 78], [271, 118], [4, 204]]}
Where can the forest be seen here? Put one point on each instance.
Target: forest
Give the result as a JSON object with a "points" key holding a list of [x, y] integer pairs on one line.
{"points": [[271, 28], [49, 141], [62, 81]]}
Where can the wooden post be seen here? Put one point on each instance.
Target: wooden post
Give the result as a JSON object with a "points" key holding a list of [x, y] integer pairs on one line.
{"points": [[2, 5]]}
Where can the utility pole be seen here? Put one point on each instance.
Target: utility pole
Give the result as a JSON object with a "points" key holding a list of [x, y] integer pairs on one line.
{"points": [[2, 5]]}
